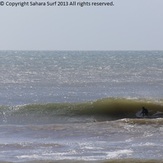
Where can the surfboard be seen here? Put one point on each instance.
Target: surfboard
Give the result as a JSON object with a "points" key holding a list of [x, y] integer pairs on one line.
{"points": [[156, 115], [139, 114]]}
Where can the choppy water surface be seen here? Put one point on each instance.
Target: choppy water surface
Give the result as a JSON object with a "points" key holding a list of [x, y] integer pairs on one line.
{"points": [[81, 106], [40, 76]]}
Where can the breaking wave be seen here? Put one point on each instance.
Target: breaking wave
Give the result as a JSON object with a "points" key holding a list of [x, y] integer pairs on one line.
{"points": [[100, 110]]}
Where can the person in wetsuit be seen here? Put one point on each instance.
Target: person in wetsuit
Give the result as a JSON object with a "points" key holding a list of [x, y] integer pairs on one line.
{"points": [[144, 111]]}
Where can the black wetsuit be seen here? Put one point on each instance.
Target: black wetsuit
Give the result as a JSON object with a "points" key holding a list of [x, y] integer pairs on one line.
{"points": [[144, 112]]}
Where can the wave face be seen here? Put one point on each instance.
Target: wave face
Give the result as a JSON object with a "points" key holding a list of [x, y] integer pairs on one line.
{"points": [[101, 110]]}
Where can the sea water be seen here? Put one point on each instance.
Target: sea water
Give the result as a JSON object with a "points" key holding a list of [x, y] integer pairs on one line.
{"points": [[81, 106]]}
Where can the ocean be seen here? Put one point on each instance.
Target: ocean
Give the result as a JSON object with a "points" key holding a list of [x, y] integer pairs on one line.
{"points": [[81, 106]]}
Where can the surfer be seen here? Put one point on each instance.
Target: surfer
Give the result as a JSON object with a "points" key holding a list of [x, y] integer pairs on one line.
{"points": [[144, 111]]}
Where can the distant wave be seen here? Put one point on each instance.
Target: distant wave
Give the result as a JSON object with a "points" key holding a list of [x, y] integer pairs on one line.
{"points": [[100, 110], [109, 161]]}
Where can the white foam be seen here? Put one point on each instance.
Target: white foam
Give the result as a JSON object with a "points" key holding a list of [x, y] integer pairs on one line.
{"points": [[129, 140], [147, 134], [119, 153], [43, 156], [161, 129], [143, 144], [149, 144], [34, 156]]}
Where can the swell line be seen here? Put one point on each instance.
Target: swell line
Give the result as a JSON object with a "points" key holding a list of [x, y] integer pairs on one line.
{"points": [[100, 110]]}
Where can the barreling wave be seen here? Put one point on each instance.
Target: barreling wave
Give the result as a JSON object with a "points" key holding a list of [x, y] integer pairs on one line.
{"points": [[100, 110]]}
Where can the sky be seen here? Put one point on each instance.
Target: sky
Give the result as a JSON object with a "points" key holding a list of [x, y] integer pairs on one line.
{"points": [[128, 25]]}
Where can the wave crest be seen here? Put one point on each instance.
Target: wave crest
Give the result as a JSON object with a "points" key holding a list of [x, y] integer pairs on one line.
{"points": [[100, 110]]}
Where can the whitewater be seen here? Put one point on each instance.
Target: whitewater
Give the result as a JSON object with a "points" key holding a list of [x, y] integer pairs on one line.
{"points": [[81, 106]]}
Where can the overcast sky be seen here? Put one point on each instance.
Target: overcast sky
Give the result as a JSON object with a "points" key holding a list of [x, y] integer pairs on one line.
{"points": [[129, 25]]}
